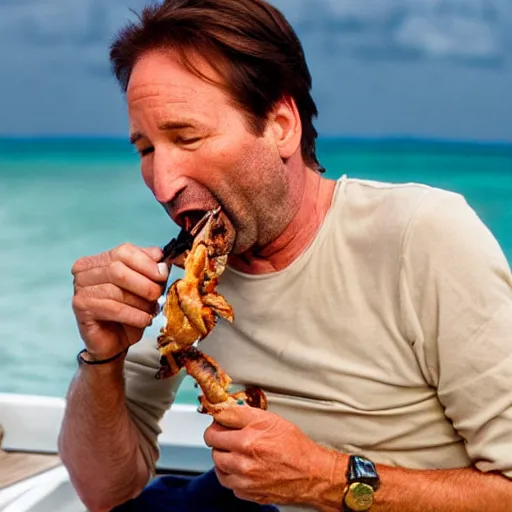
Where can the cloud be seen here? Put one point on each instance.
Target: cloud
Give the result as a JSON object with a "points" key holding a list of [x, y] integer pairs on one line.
{"points": [[455, 38], [82, 22], [61, 34], [58, 22], [371, 60], [465, 32]]}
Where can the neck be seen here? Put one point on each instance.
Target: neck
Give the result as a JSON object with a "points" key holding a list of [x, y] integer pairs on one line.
{"points": [[298, 234]]}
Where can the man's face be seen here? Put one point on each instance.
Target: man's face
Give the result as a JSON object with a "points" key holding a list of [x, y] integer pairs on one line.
{"points": [[197, 152]]}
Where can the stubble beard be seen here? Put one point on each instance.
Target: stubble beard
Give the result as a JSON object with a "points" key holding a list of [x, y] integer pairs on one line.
{"points": [[266, 210]]}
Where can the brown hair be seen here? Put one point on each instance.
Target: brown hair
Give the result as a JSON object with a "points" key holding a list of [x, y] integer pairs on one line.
{"points": [[248, 42]]}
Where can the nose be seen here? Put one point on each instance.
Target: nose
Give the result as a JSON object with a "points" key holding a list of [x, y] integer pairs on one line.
{"points": [[168, 177]]}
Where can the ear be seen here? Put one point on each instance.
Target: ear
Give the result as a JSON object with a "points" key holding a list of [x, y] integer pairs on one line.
{"points": [[286, 127]]}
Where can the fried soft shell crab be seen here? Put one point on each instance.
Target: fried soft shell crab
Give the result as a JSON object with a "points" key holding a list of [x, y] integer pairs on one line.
{"points": [[191, 308]]}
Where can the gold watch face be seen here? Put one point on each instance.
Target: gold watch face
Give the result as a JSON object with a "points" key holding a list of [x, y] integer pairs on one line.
{"points": [[359, 497]]}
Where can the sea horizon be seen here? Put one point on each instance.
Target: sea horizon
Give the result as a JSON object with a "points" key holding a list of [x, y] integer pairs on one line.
{"points": [[350, 139]]}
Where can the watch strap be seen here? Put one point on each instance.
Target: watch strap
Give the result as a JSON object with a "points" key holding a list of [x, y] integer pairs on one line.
{"points": [[362, 470], [362, 482]]}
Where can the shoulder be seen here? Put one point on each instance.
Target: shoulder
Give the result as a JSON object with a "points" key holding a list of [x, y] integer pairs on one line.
{"points": [[442, 208], [380, 212], [414, 224], [414, 214], [446, 228], [392, 202]]}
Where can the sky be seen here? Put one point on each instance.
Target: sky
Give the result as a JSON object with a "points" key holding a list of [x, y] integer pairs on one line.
{"points": [[381, 68]]}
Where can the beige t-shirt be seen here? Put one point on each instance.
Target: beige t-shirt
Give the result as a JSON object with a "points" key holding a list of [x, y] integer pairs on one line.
{"points": [[390, 336]]}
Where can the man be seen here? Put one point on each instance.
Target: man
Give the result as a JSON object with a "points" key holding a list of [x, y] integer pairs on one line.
{"points": [[376, 317]]}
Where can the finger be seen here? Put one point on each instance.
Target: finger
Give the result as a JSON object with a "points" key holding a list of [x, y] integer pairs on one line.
{"points": [[138, 260], [220, 438], [238, 417], [132, 335], [225, 479], [225, 462], [113, 292], [155, 253], [143, 261], [238, 484], [88, 262], [108, 310], [121, 275]]}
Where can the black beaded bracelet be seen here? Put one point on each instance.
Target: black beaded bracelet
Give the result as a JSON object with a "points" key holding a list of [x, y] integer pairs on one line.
{"points": [[81, 360]]}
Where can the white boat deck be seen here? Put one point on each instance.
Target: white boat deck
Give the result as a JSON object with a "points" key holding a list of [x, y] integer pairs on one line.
{"points": [[16, 467], [32, 477]]}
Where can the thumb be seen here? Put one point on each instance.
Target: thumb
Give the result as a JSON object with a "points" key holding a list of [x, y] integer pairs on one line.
{"points": [[238, 417], [155, 253]]}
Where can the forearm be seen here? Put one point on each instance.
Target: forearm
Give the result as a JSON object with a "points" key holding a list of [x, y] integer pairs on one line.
{"points": [[98, 442], [407, 490]]}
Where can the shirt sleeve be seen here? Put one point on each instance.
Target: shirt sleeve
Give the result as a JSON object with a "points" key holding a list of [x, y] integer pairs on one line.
{"points": [[456, 295], [147, 398]]}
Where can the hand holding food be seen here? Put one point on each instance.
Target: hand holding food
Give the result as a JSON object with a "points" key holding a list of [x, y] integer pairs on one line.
{"points": [[115, 297]]}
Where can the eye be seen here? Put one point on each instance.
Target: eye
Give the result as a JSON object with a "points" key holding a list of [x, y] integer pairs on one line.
{"points": [[146, 151], [186, 142]]}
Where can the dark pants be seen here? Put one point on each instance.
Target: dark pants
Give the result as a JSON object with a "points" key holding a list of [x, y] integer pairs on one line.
{"points": [[203, 493]]}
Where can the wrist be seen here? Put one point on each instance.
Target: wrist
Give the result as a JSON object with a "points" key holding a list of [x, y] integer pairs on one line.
{"points": [[107, 363], [329, 470], [91, 357]]}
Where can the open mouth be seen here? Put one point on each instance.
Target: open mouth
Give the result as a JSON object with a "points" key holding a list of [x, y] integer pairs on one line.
{"points": [[188, 220], [220, 233], [192, 223]]}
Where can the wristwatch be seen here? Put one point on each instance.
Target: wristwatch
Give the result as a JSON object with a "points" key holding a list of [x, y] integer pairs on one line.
{"points": [[362, 482]]}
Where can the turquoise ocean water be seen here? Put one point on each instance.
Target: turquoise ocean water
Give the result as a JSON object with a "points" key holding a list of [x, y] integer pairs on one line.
{"points": [[62, 199]]}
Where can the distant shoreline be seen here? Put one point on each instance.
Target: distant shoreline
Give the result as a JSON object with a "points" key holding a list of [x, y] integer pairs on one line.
{"points": [[323, 139]]}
